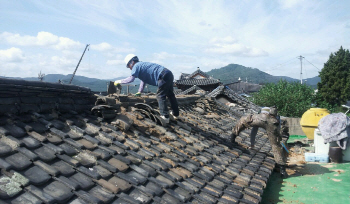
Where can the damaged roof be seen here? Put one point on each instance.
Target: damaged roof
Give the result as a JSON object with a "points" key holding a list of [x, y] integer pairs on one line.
{"points": [[54, 149], [194, 88]]}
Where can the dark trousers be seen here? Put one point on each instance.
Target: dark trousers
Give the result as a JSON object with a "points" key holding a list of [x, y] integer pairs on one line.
{"points": [[166, 89]]}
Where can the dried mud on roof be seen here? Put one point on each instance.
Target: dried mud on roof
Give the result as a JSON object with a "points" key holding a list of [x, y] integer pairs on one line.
{"points": [[55, 151]]}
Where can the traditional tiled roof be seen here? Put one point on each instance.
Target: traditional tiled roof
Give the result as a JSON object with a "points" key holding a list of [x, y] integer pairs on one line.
{"points": [[198, 82], [191, 79], [183, 76], [200, 72], [59, 155]]}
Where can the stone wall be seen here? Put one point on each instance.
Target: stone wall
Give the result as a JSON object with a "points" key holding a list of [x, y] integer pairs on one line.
{"points": [[20, 96]]}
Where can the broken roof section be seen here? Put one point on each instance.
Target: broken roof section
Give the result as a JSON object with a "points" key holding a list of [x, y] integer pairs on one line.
{"points": [[234, 101], [70, 155], [193, 90]]}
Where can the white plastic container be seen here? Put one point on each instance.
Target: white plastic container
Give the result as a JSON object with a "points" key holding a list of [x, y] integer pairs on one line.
{"points": [[320, 146], [313, 157]]}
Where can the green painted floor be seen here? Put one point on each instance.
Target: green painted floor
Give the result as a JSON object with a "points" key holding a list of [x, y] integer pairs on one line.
{"points": [[313, 183], [296, 138]]}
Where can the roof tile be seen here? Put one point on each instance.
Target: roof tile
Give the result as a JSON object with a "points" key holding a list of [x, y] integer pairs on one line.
{"points": [[102, 194], [140, 196], [15, 130], [5, 149], [37, 176], [69, 150], [58, 191], [18, 161], [49, 169], [87, 197], [84, 181], [130, 179], [26, 198], [120, 183], [41, 194], [45, 154], [92, 173], [37, 136], [121, 166]]}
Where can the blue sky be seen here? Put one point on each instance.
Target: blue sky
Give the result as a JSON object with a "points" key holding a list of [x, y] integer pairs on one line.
{"points": [[50, 36]]}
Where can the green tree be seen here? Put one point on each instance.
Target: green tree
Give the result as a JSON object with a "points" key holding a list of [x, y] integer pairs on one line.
{"points": [[292, 99], [334, 87]]}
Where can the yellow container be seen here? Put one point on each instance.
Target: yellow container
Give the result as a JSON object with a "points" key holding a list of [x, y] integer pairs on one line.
{"points": [[309, 120]]}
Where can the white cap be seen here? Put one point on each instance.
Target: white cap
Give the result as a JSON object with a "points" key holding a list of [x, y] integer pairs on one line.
{"points": [[128, 58]]}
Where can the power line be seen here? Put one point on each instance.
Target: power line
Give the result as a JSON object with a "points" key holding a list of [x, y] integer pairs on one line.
{"points": [[273, 68], [301, 66], [312, 65]]}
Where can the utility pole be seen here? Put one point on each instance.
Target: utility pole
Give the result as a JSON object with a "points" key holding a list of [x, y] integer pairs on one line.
{"points": [[301, 68]]}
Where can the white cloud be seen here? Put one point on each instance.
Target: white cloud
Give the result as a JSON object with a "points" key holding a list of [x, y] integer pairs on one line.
{"points": [[63, 61], [102, 47], [112, 52], [165, 56], [11, 55], [115, 62], [125, 50], [67, 44], [225, 40], [43, 39], [230, 46], [288, 4]]}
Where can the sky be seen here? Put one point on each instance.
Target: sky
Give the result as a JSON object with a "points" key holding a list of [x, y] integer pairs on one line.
{"points": [[50, 36]]}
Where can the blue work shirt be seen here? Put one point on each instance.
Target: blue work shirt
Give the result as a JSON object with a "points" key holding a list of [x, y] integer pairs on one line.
{"points": [[148, 72]]}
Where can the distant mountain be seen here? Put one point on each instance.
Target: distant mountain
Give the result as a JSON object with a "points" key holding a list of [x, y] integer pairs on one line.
{"points": [[97, 85], [313, 81], [65, 78], [232, 72], [227, 74]]}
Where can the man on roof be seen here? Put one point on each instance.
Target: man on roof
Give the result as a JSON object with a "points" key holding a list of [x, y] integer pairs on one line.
{"points": [[270, 121], [156, 75]]}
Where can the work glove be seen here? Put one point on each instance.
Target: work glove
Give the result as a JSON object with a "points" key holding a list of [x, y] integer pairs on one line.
{"points": [[117, 82], [138, 94]]}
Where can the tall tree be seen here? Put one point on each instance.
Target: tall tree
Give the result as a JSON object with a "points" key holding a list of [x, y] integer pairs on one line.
{"points": [[334, 86], [292, 99], [41, 76]]}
